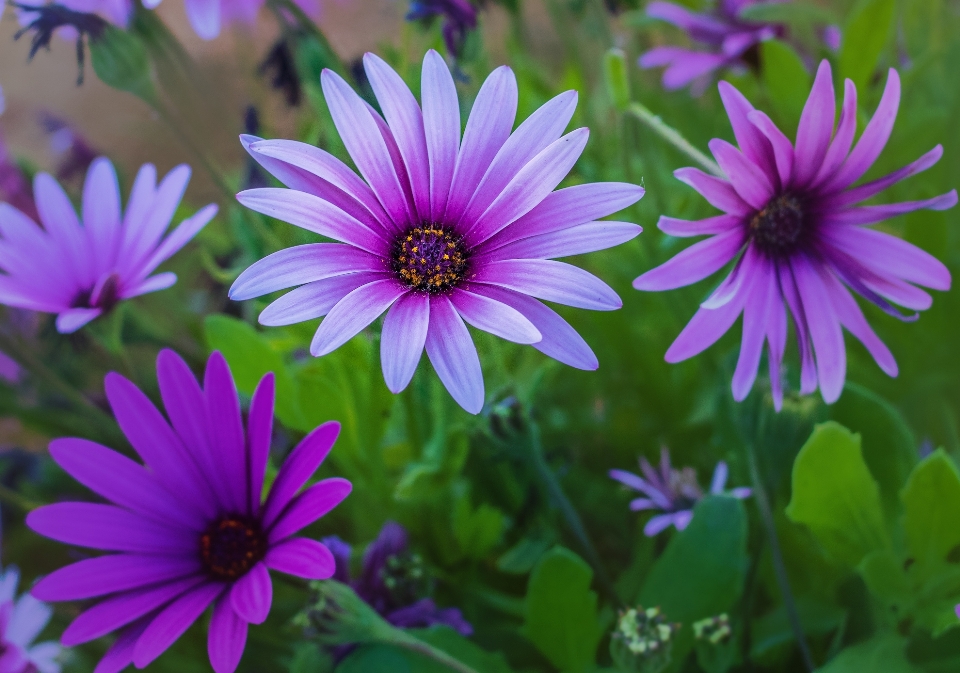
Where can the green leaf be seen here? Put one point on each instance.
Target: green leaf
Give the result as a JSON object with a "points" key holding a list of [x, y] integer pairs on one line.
{"points": [[786, 80], [931, 501], [618, 81], [773, 630], [446, 639], [477, 531], [562, 619], [788, 12], [120, 60], [520, 559], [864, 37], [251, 357], [376, 659], [884, 653], [835, 495]]}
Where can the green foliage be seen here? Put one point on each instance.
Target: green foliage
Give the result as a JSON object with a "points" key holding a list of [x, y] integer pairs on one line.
{"points": [[864, 37], [120, 60], [931, 501], [882, 654], [477, 530], [836, 497], [787, 81], [561, 611]]}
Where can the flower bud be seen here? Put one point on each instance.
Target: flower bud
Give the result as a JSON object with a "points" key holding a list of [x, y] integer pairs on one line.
{"points": [[642, 641]]}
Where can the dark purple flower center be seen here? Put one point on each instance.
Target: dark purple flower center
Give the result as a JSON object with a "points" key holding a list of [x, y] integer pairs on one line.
{"points": [[231, 546], [106, 299], [779, 227], [430, 258]]}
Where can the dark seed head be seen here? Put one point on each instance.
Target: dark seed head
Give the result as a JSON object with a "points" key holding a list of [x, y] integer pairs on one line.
{"points": [[231, 547], [430, 259], [779, 228]]}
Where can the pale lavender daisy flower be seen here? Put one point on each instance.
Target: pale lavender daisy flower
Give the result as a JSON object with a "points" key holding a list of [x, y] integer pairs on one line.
{"points": [[81, 271], [21, 621], [727, 39], [799, 239], [672, 492], [439, 232], [207, 17]]}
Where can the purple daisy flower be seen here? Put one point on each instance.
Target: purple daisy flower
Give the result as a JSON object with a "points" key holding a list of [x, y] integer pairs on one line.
{"points": [[730, 41], [393, 581], [672, 492], [207, 17], [21, 621], [189, 525], [800, 241], [439, 230], [459, 18], [81, 271]]}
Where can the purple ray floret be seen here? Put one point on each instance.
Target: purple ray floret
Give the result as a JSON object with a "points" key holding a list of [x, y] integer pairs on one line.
{"points": [[21, 621], [188, 528], [800, 240], [441, 231], [724, 38], [672, 492], [80, 268]]}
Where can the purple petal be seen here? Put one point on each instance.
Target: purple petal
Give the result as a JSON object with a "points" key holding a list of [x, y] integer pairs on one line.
{"points": [[441, 120], [60, 221], [750, 181], [142, 235], [783, 153], [120, 654], [808, 368], [658, 524], [684, 19], [314, 300], [682, 519], [494, 317], [825, 330], [122, 609], [842, 141], [559, 340], [759, 295], [719, 481], [397, 159], [366, 145], [161, 281], [487, 129], [28, 619], [139, 208], [71, 320], [816, 127], [108, 574], [704, 329], [683, 65], [402, 339], [227, 637], [754, 145], [851, 317], [453, 355], [101, 211], [551, 281], [227, 441], [874, 137], [204, 17], [718, 192], [179, 237], [567, 208], [869, 189], [252, 595], [693, 264], [108, 527], [301, 557], [259, 438], [576, 240], [172, 622], [298, 468], [642, 504], [686, 228], [353, 313], [872, 214], [299, 265], [309, 506]]}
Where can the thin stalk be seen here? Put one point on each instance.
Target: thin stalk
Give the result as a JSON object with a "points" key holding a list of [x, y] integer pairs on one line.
{"points": [[555, 492], [405, 640], [672, 136], [780, 569], [11, 497]]}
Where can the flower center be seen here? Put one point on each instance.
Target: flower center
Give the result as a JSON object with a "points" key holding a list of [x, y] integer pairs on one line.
{"points": [[430, 258], [231, 546], [778, 228], [103, 296]]}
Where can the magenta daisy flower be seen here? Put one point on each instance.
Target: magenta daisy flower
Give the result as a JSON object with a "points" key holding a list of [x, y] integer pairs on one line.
{"points": [[21, 621], [800, 240], [207, 17], [81, 271], [726, 40], [672, 492], [189, 526], [441, 230]]}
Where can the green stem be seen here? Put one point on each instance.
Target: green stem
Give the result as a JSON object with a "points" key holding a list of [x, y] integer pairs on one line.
{"points": [[780, 569], [405, 640], [555, 493], [672, 136], [11, 497]]}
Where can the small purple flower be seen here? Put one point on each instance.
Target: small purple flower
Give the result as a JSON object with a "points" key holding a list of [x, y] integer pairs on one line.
{"points": [[440, 231], [459, 18], [21, 621], [81, 271], [393, 581], [189, 526], [207, 17], [117, 12], [730, 41], [672, 492], [73, 152], [800, 241]]}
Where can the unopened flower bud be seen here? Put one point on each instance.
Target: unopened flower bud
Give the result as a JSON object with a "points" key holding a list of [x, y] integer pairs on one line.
{"points": [[642, 641]]}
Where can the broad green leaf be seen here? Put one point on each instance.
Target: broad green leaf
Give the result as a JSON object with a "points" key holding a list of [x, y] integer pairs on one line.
{"points": [[446, 639], [786, 79], [889, 447], [931, 501], [562, 619], [120, 60], [884, 653], [702, 571], [773, 630], [477, 531], [251, 357], [374, 659], [883, 573], [520, 559], [835, 495], [864, 37]]}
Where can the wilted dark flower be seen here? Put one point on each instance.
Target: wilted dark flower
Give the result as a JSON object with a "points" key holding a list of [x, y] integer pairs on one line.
{"points": [[45, 20], [459, 18], [281, 65]]}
